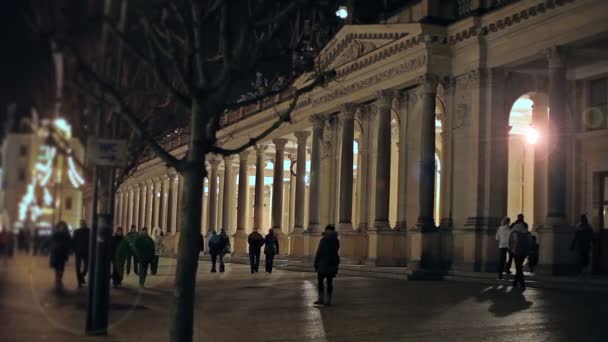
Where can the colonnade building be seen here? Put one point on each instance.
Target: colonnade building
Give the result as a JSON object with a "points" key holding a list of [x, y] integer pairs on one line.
{"points": [[429, 136]]}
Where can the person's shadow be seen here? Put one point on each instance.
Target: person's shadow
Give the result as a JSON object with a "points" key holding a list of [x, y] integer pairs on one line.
{"points": [[504, 301]]}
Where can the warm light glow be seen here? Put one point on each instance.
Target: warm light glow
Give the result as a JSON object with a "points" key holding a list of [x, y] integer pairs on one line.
{"points": [[342, 12], [63, 125], [532, 135]]}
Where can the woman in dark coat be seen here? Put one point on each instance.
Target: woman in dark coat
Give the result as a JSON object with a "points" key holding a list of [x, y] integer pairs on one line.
{"points": [[60, 247], [326, 264], [271, 248]]}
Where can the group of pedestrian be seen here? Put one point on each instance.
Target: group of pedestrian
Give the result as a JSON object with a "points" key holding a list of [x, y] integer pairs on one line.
{"points": [[137, 248], [6, 243], [219, 246], [271, 249], [516, 244]]}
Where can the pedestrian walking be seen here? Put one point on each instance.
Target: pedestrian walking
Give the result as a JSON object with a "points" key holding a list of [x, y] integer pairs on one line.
{"points": [[144, 250], [81, 252], [158, 238], [61, 245], [271, 248], [533, 254], [132, 257], [581, 244], [502, 236], [120, 251], [327, 261], [519, 245], [214, 249], [202, 242], [256, 241], [224, 248]]}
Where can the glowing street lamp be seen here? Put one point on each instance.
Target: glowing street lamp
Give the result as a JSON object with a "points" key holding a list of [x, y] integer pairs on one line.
{"points": [[532, 135], [342, 12]]}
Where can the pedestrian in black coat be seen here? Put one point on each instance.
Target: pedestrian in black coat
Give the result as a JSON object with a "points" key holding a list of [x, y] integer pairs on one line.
{"points": [[61, 245], [271, 248], [326, 264], [581, 244], [255, 240], [81, 251]]}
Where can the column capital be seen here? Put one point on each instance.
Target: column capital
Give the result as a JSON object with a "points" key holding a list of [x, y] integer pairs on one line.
{"points": [[164, 177], [150, 181], [214, 163], [228, 159], [555, 57], [301, 136], [244, 155], [401, 97], [279, 143], [347, 110], [385, 98], [318, 120], [260, 149], [428, 83]]}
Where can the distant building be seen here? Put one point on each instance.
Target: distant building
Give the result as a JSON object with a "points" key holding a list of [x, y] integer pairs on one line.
{"points": [[40, 185]]}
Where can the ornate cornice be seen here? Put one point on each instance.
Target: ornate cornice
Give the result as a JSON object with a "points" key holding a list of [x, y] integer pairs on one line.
{"points": [[507, 21]]}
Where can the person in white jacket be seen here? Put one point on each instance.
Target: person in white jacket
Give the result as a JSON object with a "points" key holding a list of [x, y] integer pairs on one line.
{"points": [[157, 237], [502, 236]]}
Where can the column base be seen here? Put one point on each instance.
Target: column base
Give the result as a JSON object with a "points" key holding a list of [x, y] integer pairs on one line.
{"points": [[387, 247], [424, 249], [554, 239], [283, 241], [381, 226], [240, 243], [297, 242], [311, 243], [344, 227], [353, 246]]}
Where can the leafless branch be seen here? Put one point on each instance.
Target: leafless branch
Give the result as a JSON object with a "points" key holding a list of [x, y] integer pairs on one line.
{"points": [[283, 117], [131, 118]]}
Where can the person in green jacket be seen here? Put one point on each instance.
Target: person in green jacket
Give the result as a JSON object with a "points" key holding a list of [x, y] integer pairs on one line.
{"points": [[144, 250]]}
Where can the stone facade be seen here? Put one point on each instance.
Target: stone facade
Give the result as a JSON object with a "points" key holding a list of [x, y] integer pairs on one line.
{"points": [[407, 151]]}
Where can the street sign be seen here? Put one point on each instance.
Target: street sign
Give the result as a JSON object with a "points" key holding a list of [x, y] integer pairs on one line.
{"points": [[107, 152]]}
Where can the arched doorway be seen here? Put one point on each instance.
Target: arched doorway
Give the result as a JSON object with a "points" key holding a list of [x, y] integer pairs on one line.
{"points": [[527, 119]]}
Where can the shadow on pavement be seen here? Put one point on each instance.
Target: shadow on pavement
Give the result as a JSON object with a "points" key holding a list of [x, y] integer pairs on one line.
{"points": [[505, 301]]}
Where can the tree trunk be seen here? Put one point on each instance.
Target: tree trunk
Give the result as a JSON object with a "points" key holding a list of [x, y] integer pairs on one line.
{"points": [[189, 240]]}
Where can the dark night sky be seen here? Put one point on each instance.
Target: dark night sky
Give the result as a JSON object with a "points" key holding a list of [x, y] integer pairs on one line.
{"points": [[26, 70]]}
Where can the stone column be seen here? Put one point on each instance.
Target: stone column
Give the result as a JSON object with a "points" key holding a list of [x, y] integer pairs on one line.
{"points": [[180, 190], [220, 200], [555, 235], [302, 137], [143, 204], [427, 93], [240, 236], [157, 203], [150, 209], [383, 163], [228, 186], [314, 208], [174, 182], [258, 206], [556, 201], [385, 245], [292, 192], [346, 118], [117, 220], [334, 170], [277, 184], [136, 205], [365, 113], [214, 163], [130, 206], [164, 203], [402, 174], [297, 246]]}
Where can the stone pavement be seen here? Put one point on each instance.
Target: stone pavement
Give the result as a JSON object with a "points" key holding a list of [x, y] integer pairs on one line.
{"points": [[237, 306]]}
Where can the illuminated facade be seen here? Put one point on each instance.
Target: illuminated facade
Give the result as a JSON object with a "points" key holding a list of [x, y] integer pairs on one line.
{"points": [[41, 183], [431, 134]]}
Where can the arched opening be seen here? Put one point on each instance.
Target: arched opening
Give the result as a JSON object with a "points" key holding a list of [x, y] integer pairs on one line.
{"points": [[527, 117]]}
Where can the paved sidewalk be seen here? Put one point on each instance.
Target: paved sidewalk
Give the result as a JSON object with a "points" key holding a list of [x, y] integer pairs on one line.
{"points": [[237, 306]]}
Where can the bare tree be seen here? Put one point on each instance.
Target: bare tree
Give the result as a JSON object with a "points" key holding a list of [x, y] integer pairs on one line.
{"points": [[203, 54]]}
